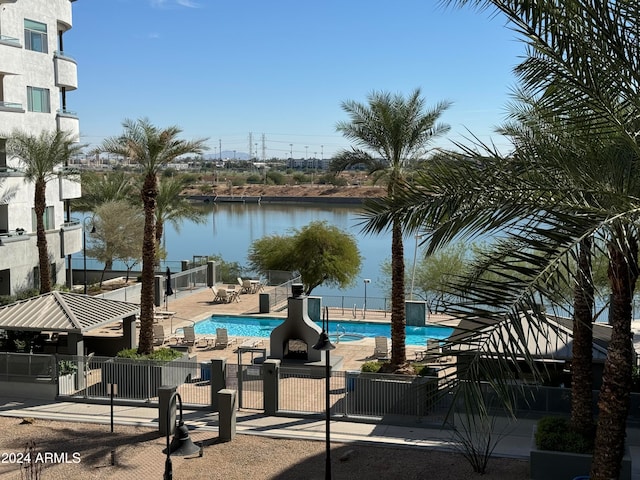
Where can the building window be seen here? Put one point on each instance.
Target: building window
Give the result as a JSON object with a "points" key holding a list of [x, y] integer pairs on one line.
{"points": [[49, 222], [35, 36], [38, 100]]}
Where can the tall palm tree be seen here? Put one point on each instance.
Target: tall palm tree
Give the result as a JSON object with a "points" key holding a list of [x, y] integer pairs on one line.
{"points": [[391, 133], [40, 155], [582, 65], [151, 148], [172, 207]]}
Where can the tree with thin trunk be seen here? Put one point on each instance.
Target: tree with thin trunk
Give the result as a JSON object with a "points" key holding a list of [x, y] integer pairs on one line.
{"points": [[41, 155], [151, 148], [391, 133]]}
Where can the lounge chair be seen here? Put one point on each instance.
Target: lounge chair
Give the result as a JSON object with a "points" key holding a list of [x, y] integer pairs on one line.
{"points": [[433, 353], [381, 350], [190, 339], [222, 338], [158, 335]]}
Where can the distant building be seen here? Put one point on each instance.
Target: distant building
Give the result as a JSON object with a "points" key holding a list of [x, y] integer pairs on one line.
{"points": [[36, 74]]}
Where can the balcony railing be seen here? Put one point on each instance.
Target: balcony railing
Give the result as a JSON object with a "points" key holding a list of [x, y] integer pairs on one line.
{"points": [[10, 172], [9, 40], [67, 113], [61, 54], [11, 106]]}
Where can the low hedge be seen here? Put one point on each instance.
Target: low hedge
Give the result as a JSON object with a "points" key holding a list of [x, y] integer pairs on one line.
{"points": [[555, 433]]}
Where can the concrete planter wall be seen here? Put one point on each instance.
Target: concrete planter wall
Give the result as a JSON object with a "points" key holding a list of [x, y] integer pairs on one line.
{"points": [[67, 384]]}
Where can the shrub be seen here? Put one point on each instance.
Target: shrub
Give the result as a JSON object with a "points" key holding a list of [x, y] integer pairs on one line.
{"points": [[254, 179], [276, 178], [66, 367], [162, 354], [371, 367], [554, 433]]}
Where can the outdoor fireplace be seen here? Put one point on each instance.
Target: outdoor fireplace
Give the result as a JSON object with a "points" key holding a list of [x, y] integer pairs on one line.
{"points": [[295, 349], [294, 338]]}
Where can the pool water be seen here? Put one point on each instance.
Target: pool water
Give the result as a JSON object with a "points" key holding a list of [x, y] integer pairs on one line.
{"points": [[261, 327]]}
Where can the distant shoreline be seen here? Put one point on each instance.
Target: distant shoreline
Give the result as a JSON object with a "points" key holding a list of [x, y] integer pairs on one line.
{"points": [[347, 195], [278, 199]]}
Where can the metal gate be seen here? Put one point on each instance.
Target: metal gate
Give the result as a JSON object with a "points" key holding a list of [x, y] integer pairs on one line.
{"points": [[249, 385]]}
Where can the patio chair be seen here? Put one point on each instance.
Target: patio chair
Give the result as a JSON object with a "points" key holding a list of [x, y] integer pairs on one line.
{"points": [[158, 335], [381, 350], [228, 295], [216, 294], [190, 339], [222, 338], [433, 353], [247, 286]]}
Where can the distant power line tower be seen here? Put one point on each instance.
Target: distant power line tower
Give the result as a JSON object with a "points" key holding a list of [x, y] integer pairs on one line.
{"points": [[250, 145], [264, 148]]}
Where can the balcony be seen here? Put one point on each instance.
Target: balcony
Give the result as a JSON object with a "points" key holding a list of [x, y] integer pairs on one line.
{"points": [[10, 41], [69, 185], [10, 172], [11, 107], [66, 71], [70, 238], [67, 121]]}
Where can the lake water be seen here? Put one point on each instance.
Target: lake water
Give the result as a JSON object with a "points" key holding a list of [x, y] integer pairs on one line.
{"points": [[230, 228]]}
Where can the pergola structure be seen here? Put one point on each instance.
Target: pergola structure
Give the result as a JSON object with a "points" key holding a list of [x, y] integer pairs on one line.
{"points": [[70, 313]]}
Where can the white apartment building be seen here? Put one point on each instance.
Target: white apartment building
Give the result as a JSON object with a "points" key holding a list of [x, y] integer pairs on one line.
{"points": [[36, 74]]}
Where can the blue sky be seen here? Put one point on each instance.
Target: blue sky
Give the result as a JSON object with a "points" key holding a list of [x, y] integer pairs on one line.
{"points": [[222, 69]]}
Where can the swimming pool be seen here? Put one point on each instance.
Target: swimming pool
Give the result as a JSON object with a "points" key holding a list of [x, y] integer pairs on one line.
{"points": [[261, 327]]}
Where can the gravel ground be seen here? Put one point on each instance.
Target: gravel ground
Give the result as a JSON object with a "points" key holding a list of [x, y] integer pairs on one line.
{"points": [[138, 454]]}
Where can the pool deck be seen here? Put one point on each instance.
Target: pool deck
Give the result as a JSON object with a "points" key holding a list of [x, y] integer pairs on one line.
{"points": [[198, 305]]}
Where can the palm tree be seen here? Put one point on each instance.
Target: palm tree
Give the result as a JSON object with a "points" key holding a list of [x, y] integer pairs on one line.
{"points": [[582, 66], [101, 187], [391, 132], [40, 155], [172, 207], [152, 148]]}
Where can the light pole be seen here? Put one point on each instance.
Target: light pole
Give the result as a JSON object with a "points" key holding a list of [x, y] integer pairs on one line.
{"points": [[364, 311], [325, 345], [181, 444], [413, 270], [84, 248]]}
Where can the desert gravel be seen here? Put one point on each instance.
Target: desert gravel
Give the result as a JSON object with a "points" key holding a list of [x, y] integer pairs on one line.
{"points": [[138, 455]]}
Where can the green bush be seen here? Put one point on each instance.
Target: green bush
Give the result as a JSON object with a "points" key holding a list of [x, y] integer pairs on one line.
{"points": [[275, 178], [162, 354], [554, 433], [254, 179], [66, 367], [371, 367]]}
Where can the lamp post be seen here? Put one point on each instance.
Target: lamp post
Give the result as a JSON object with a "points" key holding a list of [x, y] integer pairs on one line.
{"points": [[84, 248], [181, 443], [364, 310], [325, 345], [413, 270]]}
